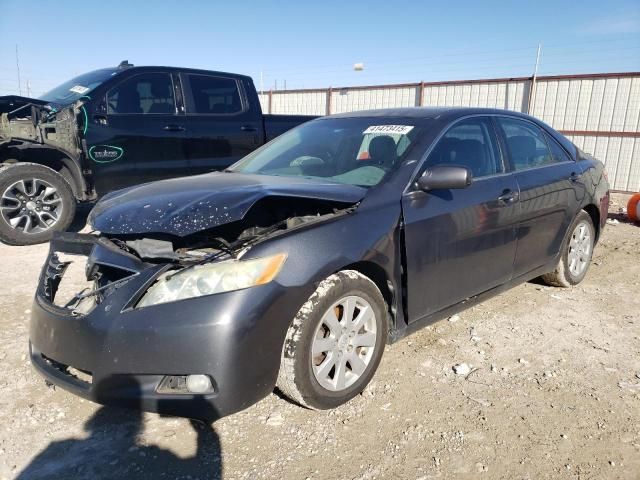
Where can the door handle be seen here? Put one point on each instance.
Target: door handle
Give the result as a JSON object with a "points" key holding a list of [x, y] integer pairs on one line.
{"points": [[248, 128], [508, 197], [574, 177], [174, 128]]}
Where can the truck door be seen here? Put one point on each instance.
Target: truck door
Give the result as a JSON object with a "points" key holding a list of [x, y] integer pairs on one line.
{"points": [[222, 125], [461, 242], [140, 136]]}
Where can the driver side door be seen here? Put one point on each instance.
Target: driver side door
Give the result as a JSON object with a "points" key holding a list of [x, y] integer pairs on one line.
{"points": [[460, 242]]}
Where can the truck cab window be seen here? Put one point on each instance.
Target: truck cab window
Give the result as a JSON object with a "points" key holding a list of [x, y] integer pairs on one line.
{"points": [[214, 95], [147, 93]]}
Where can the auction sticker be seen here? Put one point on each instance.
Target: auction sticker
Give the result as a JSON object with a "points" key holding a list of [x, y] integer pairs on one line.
{"points": [[397, 129], [79, 89]]}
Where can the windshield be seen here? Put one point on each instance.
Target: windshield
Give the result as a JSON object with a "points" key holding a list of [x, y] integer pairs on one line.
{"points": [[75, 88], [355, 151]]}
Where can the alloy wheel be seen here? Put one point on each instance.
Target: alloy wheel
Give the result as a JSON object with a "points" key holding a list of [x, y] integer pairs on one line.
{"points": [[31, 205], [580, 246], [344, 343]]}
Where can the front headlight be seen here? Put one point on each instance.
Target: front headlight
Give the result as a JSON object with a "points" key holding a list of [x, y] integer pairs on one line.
{"points": [[212, 278]]}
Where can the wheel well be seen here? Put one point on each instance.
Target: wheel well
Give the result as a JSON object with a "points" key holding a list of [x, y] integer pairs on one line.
{"points": [[594, 213], [378, 276], [53, 159]]}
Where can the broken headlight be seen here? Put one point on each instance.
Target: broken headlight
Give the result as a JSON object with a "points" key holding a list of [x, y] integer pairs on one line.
{"points": [[212, 278]]}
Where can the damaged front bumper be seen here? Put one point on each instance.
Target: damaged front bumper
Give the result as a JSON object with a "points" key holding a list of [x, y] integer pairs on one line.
{"points": [[114, 353]]}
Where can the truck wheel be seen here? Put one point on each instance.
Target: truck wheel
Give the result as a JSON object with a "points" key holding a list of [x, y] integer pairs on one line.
{"points": [[335, 343], [35, 201], [576, 254]]}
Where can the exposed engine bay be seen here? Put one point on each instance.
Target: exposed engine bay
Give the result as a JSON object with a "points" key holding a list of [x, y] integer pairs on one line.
{"points": [[268, 217]]}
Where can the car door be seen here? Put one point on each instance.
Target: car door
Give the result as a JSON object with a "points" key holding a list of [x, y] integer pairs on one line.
{"points": [[460, 242], [551, 191], [222, 128], [140, 136]]}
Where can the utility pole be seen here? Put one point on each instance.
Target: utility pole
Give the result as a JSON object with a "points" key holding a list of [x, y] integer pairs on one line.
{"points": [[532, 90], [18, 69], [261, 83], [28, 88]]}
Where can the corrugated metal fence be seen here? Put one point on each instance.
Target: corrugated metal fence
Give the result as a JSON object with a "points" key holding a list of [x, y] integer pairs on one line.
{"points": [[599, 112]]}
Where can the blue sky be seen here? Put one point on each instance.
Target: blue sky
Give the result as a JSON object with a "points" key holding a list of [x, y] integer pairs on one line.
{"points": [[316, 44]]}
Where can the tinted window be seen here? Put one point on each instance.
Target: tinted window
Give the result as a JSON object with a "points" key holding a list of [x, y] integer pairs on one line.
{"points": [[526, 144], [145, 93], [469, 143], [214, 95], [557, 152]]}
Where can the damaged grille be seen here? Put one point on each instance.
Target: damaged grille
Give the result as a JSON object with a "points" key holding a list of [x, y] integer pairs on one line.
{"points": [[77, 276]]}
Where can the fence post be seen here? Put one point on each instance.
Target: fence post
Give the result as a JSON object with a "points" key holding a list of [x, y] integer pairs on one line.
{"points": [[421, 98], [532, 95], [329, 95], [270, 100]]}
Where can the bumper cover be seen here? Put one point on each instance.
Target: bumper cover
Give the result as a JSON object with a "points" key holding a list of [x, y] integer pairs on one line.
{"points": [[234, 337]]}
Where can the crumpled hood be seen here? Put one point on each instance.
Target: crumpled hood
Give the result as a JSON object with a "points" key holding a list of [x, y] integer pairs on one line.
{"points": [[186, 205]]}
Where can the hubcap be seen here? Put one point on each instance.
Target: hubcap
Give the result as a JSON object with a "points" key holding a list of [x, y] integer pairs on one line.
{"points": [[344, 343], [31, 206], [580, 247]]}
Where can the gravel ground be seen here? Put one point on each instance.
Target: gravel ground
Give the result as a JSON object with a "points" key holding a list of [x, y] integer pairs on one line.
{"points": [[552, 389]]}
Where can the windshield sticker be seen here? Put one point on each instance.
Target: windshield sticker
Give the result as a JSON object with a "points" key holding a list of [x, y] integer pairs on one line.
{"points": [[397, 129], [105, 153], [79, 89]]}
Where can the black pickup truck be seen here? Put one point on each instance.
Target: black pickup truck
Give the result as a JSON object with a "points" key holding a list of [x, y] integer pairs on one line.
{"points": [[117, 127]]}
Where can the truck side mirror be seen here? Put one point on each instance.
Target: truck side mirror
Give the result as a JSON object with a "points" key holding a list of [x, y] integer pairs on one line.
{"points": [[441, 177]]}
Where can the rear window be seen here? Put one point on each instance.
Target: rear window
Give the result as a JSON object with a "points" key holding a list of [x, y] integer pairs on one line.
{"points": [[214, 95]]}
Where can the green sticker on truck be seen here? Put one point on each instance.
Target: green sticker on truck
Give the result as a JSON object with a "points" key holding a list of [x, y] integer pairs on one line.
{"points": [[105, 153]]}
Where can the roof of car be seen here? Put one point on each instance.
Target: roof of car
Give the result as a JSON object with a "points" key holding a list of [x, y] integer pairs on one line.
{"points": [[184, 70], [427, 112]]}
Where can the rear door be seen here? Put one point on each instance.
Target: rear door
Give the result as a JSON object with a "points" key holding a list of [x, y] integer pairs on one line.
{"points": [[551, 191], [140, 136], [222, 125], [461, 242]]}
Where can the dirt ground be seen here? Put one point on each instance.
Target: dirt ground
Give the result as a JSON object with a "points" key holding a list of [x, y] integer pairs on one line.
{"points": [[554, 392]]}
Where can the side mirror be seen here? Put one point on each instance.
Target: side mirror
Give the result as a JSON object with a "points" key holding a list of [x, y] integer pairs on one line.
{"points": [[441, 177]]}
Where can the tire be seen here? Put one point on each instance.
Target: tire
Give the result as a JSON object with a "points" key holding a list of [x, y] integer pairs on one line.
{"points": [[35, 201], [306, 379], [576, 253]]}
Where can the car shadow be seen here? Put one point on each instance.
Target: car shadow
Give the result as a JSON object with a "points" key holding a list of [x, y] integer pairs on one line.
{"points": [[80, 218], [113, 450]]}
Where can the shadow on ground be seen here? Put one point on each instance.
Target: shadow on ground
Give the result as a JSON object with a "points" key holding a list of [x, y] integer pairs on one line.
{"points": [[112, 450], [80, 218]]}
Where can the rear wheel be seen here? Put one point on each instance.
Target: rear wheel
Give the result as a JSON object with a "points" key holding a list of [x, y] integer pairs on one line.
{"points": [[35, 201], [335, 343], [576, 254]]}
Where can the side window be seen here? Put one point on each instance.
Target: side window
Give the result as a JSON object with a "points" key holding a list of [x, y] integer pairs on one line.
{"points": [[526, 143], [557, 152], [144, 93], [470, 143], [214, 95]]}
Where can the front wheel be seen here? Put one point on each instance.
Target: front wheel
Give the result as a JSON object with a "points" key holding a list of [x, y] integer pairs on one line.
{"points": [[35, 201], [576, 254], [335, 343]]}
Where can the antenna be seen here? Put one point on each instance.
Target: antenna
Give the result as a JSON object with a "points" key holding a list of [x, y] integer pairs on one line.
{"points": [[18, 68]]}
